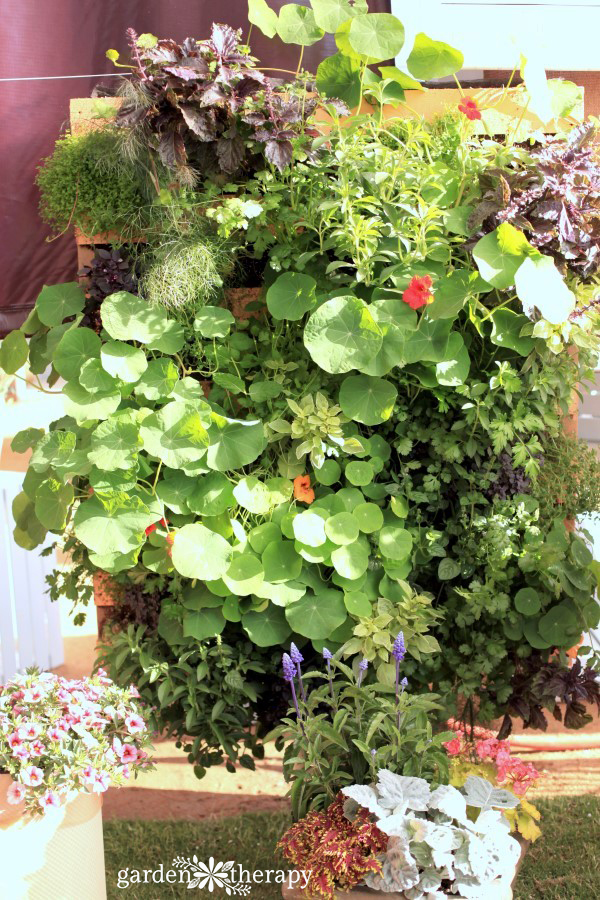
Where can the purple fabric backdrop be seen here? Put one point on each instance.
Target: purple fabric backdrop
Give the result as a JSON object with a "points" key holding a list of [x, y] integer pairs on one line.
{"points": [[70, 37]]}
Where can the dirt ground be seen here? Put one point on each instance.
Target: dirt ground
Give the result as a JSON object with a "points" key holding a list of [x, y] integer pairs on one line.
{"points": [[173, 792]]}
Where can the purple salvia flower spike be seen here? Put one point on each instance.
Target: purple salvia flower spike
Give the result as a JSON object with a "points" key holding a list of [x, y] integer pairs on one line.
{"points": [[362, 668], [399, 648], [289, 673], [297, 658]]}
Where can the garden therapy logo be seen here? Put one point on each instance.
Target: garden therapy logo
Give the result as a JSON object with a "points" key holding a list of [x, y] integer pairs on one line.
{"points": [[228, 877]]}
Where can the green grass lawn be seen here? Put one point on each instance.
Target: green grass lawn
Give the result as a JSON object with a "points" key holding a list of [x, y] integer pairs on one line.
{"points": [[563, 865]]}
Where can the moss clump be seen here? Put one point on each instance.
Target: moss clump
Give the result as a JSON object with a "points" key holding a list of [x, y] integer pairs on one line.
{"points": [[88, 182]]}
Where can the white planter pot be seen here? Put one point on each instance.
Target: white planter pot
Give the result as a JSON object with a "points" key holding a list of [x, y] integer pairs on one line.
{"points": [[500, 891], [55, 857]]}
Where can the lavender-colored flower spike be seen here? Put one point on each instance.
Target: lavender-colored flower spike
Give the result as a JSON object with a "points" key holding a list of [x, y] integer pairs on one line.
{"points": [[327, 654], [295, 655], [362, 668], [404, 683], [289, 669], [399, 648]]}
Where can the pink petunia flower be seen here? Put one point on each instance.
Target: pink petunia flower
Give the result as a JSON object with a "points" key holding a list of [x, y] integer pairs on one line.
{"points": [[101, 784], [88, 775], [33, 776], [29, 732], [49, 800], [15, 793], [21, 752], [134, 724], [14, 740], [128, 754], [33, 695]]}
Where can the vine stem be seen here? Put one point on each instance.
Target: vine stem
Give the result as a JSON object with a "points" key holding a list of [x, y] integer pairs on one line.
{"points": [[38, 386]]}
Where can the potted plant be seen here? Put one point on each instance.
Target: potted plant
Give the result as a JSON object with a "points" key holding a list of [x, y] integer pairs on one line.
{"points": [[403, 834], [63, 743]]}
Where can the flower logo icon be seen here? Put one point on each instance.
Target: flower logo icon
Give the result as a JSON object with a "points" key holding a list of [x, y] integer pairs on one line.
{"points": [[211, 876]]}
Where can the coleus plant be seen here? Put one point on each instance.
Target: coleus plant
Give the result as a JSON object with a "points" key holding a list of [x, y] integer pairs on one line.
{"points": [[204, 106]]}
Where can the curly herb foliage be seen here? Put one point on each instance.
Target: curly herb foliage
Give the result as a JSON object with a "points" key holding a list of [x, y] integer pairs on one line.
{"points": [[204, 690], [553, 196], [88, 183], [203, 107], [568, 483]]}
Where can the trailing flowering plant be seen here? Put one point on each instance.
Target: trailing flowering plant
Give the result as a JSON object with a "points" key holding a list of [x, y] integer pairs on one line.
{"points": [[59, 736], [344, 727], [481, 753]]}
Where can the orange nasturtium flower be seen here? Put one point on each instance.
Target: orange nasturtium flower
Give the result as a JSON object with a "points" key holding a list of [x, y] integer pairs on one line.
{"points": [[418, 293], [303, 490], [468, 106]]}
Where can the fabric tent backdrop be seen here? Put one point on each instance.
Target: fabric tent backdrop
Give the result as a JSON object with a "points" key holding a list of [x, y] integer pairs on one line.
{"points": [[70, 37]]}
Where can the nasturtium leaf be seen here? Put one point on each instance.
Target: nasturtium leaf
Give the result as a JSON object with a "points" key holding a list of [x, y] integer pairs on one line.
{"points": [[506, 331], [350, 561], [123, 361], [53, 450], [58, 302], [32, 323], [170, 340], [540, 285], [174, 489], [200, 553], [349, 497], [268, 628], [448, 569], [581, 553], [367, 400], [30, 537], [329, 473], [369, 517], [297, 25], [244, 575], [430, 59], [565, 98], [96, 379], [342, 528], [342, 335], [86, 407], [399, 506], [105, 482], [429, 343], [175, 434], [357, 603], [527, 602], [395, 542], [261, 15], [359, 473], [339, 76], [282, 594], [376, 36], [450, 295], [401, 78], [158, 381], [533, 636], [199, 597], [291, 296], [212, 495], [213, 322], [26, 439], [309, 529], [114, 526], [454, 370], [114, 444], [129, 318], [234, 442], [316, 615], [202, 624], [561, 624], [330, 14], [189, 390], [499, 254], [281, 561], [22, 508], [14, 351], [261, 536], [53, 501], [75, 348]]}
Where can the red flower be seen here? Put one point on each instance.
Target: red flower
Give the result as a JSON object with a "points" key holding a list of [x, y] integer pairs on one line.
{"points": [[153, 527], [418, 293], [468, 106]]}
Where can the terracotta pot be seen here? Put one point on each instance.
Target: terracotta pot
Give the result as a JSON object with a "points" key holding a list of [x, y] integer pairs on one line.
{"points": [[239, 298], [57, 856]]}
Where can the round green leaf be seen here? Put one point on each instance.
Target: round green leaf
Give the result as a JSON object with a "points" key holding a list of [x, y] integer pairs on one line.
{"points": [[291, 296], [268, 628], [359, 473], [116, 526], [342, 335], [202, 624], [532, 635], [53, 502], [506, 331], [200, 553], [85, 407], [261, 15], [234, 443], [244, 575], [329, 473], [158, 380], [342, 528], [129, 318], [581, 553], [174, 434], [309, 529], [174, 489], [14, 351], [395, 542], [357, 603], [75, 348], [367, 400], [123, 361], [369, 517], [297, 25], [499, 254], [433, 59], [376, 36], [171, 338], [317, 615], [454, 370], [281, 562], [330, 14], [561, 625], [527, 602], [339, 76], [58, 302], [114, 444], [94, 378], [350, 561], [448, 569], [262, 535], [213, 322], [212, 495], [260, 497]]}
